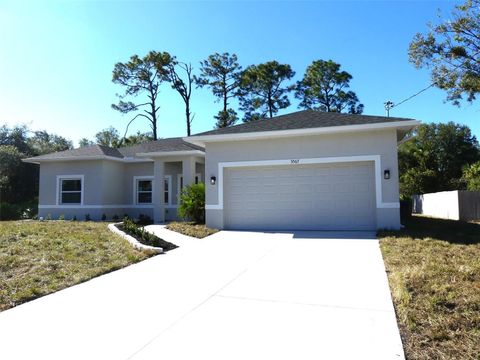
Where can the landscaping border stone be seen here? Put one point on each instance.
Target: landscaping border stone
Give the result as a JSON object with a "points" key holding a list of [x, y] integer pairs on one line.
{"points": [[135, 243]]}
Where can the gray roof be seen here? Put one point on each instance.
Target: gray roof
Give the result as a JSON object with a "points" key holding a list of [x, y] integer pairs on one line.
{"points": [[94, 151], [305, 119]]}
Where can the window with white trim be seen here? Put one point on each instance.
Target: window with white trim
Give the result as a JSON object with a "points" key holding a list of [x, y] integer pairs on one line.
{"points": [[198, 179], [144, 191], [166, 190], [70, 190]]}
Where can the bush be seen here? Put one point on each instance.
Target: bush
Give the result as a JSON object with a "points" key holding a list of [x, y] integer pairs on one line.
{"points": [[192, 203], [87, 217], [61, 217], [115, 217], [104, 217], [143, 236], [10, 211]]}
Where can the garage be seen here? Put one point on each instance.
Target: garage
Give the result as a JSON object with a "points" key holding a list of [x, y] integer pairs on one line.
{"points": [[339, 196]]}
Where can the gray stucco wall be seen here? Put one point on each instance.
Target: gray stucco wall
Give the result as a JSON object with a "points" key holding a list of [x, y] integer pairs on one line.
{"points": [[108, 188], [383, 143]]}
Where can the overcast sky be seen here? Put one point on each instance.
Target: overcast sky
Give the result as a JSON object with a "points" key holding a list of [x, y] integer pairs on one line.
{"points": [[56, 58]]}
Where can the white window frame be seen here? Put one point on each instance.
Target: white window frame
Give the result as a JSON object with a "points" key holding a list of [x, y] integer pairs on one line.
{"points": [[169, 180], [151, 178], [136, 179], [59, 188], [179, 189]]}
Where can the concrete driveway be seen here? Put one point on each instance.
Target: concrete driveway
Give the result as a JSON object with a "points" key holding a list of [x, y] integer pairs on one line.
{"points": [[234, 295]]}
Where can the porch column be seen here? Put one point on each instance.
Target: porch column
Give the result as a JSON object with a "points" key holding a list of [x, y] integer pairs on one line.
{"points": [[188, 170], [158, 191]]}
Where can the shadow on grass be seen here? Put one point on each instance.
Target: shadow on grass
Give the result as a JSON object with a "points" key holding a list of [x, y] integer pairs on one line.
{"points": [[452, 231]]}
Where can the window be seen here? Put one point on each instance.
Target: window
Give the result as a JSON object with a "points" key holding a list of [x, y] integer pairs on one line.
{"points": [[198, 179], [166, 190], [70, 190], [144, 191]]}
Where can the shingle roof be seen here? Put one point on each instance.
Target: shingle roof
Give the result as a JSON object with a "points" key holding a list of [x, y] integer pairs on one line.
{"points": [[94, 151], [165, 145], [305, 119], [84, 152]]}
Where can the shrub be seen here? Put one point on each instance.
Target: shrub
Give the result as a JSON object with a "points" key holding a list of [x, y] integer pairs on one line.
{"points": [[104, 217], [61, 217], [48, 217], [74, 218], [143, 236], [87, 217], [115, 217], [10, 211], [471, 176], [192, 203]]}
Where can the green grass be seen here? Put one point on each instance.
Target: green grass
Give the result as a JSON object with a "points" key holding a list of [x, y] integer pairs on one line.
{"points": [[191, 229], [39, 258], [433, 267]]}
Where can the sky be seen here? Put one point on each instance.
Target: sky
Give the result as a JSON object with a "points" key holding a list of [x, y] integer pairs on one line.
{"points": [[56, 58]]}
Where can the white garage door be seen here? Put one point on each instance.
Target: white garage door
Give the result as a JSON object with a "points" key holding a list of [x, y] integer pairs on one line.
{"points": [[301, 197]]}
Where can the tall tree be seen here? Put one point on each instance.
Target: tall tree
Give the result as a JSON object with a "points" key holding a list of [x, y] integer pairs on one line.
{"points": [[19, 180], [221, 72], [183, 87], [434, 157], [262, 89], [324, 87], [142, 76], [451, 50], [108, 137], [138, 138], [84, 142]]}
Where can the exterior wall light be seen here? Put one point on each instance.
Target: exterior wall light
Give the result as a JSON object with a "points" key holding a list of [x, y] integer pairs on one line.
{"points": [[213, 180], [386, 174]]}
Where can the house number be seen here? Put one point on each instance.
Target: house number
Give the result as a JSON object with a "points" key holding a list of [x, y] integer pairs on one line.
{"points": [[294, 161]]}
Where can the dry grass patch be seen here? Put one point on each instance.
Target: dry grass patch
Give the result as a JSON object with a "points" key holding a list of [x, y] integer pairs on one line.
{"points": [[434, 273], [38, 258], [191, 229]]}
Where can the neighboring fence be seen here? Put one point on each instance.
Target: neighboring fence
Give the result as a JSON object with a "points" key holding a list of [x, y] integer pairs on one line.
{"points": [[454, 205]]}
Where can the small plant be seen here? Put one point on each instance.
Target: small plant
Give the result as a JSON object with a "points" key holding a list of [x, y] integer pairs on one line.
{"points": [[144, 236], [48, 217], [115, 217], [192, 203], [74, 218], [61, 217], [104, 217], [87, 217]]}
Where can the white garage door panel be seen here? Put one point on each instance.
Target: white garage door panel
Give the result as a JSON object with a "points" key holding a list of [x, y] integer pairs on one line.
{"points": [[301, 197]]}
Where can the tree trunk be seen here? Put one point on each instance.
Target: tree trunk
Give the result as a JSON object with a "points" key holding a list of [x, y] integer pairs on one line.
{"points": [[187, 113]]}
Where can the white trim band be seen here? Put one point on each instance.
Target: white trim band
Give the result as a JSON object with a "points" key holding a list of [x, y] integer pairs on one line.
{"points": [[294, 162]]}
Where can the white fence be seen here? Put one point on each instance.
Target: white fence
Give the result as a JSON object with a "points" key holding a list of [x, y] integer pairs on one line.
{"points": [[454, 205]]}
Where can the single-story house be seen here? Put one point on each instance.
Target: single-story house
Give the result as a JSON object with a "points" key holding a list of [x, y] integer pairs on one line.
{"points": [[306, 170]]}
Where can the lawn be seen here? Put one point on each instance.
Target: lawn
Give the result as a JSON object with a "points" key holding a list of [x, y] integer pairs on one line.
{"points": [[434, 273], [38, 258], [191, 229]]}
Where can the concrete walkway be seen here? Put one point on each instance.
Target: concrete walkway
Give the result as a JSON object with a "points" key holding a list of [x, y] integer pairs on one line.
{"points": [[234, 295]]}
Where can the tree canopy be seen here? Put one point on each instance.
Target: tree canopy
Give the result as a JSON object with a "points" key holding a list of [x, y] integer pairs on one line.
{"points": [[142, 76], [19, 180], [181, 78], [434, 157], [471, 176], [451, 51], [221, 73], [263, 91], [324, 87]]}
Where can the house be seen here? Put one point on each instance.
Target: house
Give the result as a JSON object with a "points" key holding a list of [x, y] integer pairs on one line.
{"points": [[301, 171]]}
